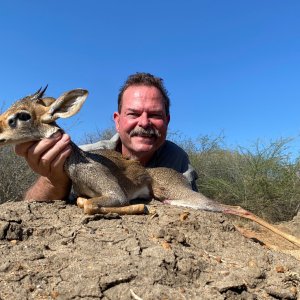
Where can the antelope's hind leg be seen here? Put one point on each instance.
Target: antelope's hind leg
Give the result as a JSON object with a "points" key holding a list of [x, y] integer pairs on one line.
{"points": [[241, 212]]}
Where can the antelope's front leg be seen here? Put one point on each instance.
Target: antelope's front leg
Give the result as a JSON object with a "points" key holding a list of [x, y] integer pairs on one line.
{"points": [[80, 202], [95, 206], [92, 205]]}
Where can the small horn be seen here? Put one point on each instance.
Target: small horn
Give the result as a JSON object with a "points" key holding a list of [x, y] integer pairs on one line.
{"points": [[39, 93]]}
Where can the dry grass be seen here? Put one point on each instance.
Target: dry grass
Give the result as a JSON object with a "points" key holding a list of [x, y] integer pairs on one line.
{"points": [[262, 179]]}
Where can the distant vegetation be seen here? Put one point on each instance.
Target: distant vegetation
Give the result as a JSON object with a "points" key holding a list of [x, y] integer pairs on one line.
{"points": [[263, 179], [96, 136], [15, 175]]}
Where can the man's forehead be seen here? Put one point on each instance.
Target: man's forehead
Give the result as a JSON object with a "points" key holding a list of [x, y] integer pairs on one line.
{"points": [[142, 98], [142, 91], [141, 103]]}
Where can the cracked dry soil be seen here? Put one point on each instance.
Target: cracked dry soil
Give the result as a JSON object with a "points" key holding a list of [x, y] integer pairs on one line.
{"points": [[54, 251]]}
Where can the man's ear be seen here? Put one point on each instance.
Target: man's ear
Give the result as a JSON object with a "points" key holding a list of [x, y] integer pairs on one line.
{"points": [[117, 120], [67, 105]]}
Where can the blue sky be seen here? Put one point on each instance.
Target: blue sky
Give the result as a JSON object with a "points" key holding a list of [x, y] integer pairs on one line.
{"points": [[229, 66]]}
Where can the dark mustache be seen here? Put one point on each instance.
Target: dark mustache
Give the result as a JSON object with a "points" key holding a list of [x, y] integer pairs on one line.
{"points": [[149, 132]]}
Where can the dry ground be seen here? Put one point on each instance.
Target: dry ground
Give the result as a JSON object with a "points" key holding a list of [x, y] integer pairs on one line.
{"points": [[54, 251]]}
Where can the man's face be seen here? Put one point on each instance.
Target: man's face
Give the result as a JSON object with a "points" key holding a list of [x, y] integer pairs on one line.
{"points": [[142, 122]]}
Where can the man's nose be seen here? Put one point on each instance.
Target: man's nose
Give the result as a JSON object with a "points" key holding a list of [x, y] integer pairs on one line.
{"points": [[144, 120]]}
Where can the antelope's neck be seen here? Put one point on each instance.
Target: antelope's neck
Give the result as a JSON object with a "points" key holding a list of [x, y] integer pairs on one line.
{"points": [[76, 157]]}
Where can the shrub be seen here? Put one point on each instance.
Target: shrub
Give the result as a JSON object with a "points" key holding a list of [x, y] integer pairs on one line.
{"points": [[16, 176], [97, 136], [261, 179]]}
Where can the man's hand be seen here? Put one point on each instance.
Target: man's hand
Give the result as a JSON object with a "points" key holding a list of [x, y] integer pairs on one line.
{"points": [[47, 157]]}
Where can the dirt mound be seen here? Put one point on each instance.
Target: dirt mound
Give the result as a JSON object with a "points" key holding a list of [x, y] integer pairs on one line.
{"points": [[54, 251], [293, 226]]}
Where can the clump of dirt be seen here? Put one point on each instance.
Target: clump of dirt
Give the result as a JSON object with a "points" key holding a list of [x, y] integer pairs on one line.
{"points": [[54, 251]]}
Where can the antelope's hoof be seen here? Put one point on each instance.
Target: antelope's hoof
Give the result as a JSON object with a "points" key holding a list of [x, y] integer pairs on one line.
{"points": [[89, 208], [80, 202]]}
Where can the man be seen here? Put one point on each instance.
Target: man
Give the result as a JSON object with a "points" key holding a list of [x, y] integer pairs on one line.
{"points": [[141, 123]]}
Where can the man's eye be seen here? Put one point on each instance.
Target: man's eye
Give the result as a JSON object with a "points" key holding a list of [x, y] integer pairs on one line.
{"points": [[156, 116], [133, 115]]}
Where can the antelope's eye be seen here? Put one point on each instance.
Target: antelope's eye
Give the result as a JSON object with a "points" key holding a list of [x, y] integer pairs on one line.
{"points": [[23, 116]]}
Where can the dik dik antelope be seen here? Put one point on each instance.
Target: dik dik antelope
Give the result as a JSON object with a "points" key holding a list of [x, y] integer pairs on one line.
{"points": [[103, 179]]}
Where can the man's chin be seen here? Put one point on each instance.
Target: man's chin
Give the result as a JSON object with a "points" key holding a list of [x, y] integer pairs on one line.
{"points": [[144, 147], [145, 140]]}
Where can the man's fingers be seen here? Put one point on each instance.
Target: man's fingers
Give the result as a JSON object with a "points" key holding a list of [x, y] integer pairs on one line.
{"points": [[48, 157], [38, 149]]}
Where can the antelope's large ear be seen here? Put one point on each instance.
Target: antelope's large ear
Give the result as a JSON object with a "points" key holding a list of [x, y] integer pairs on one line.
{"points": [[67, 105]]}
